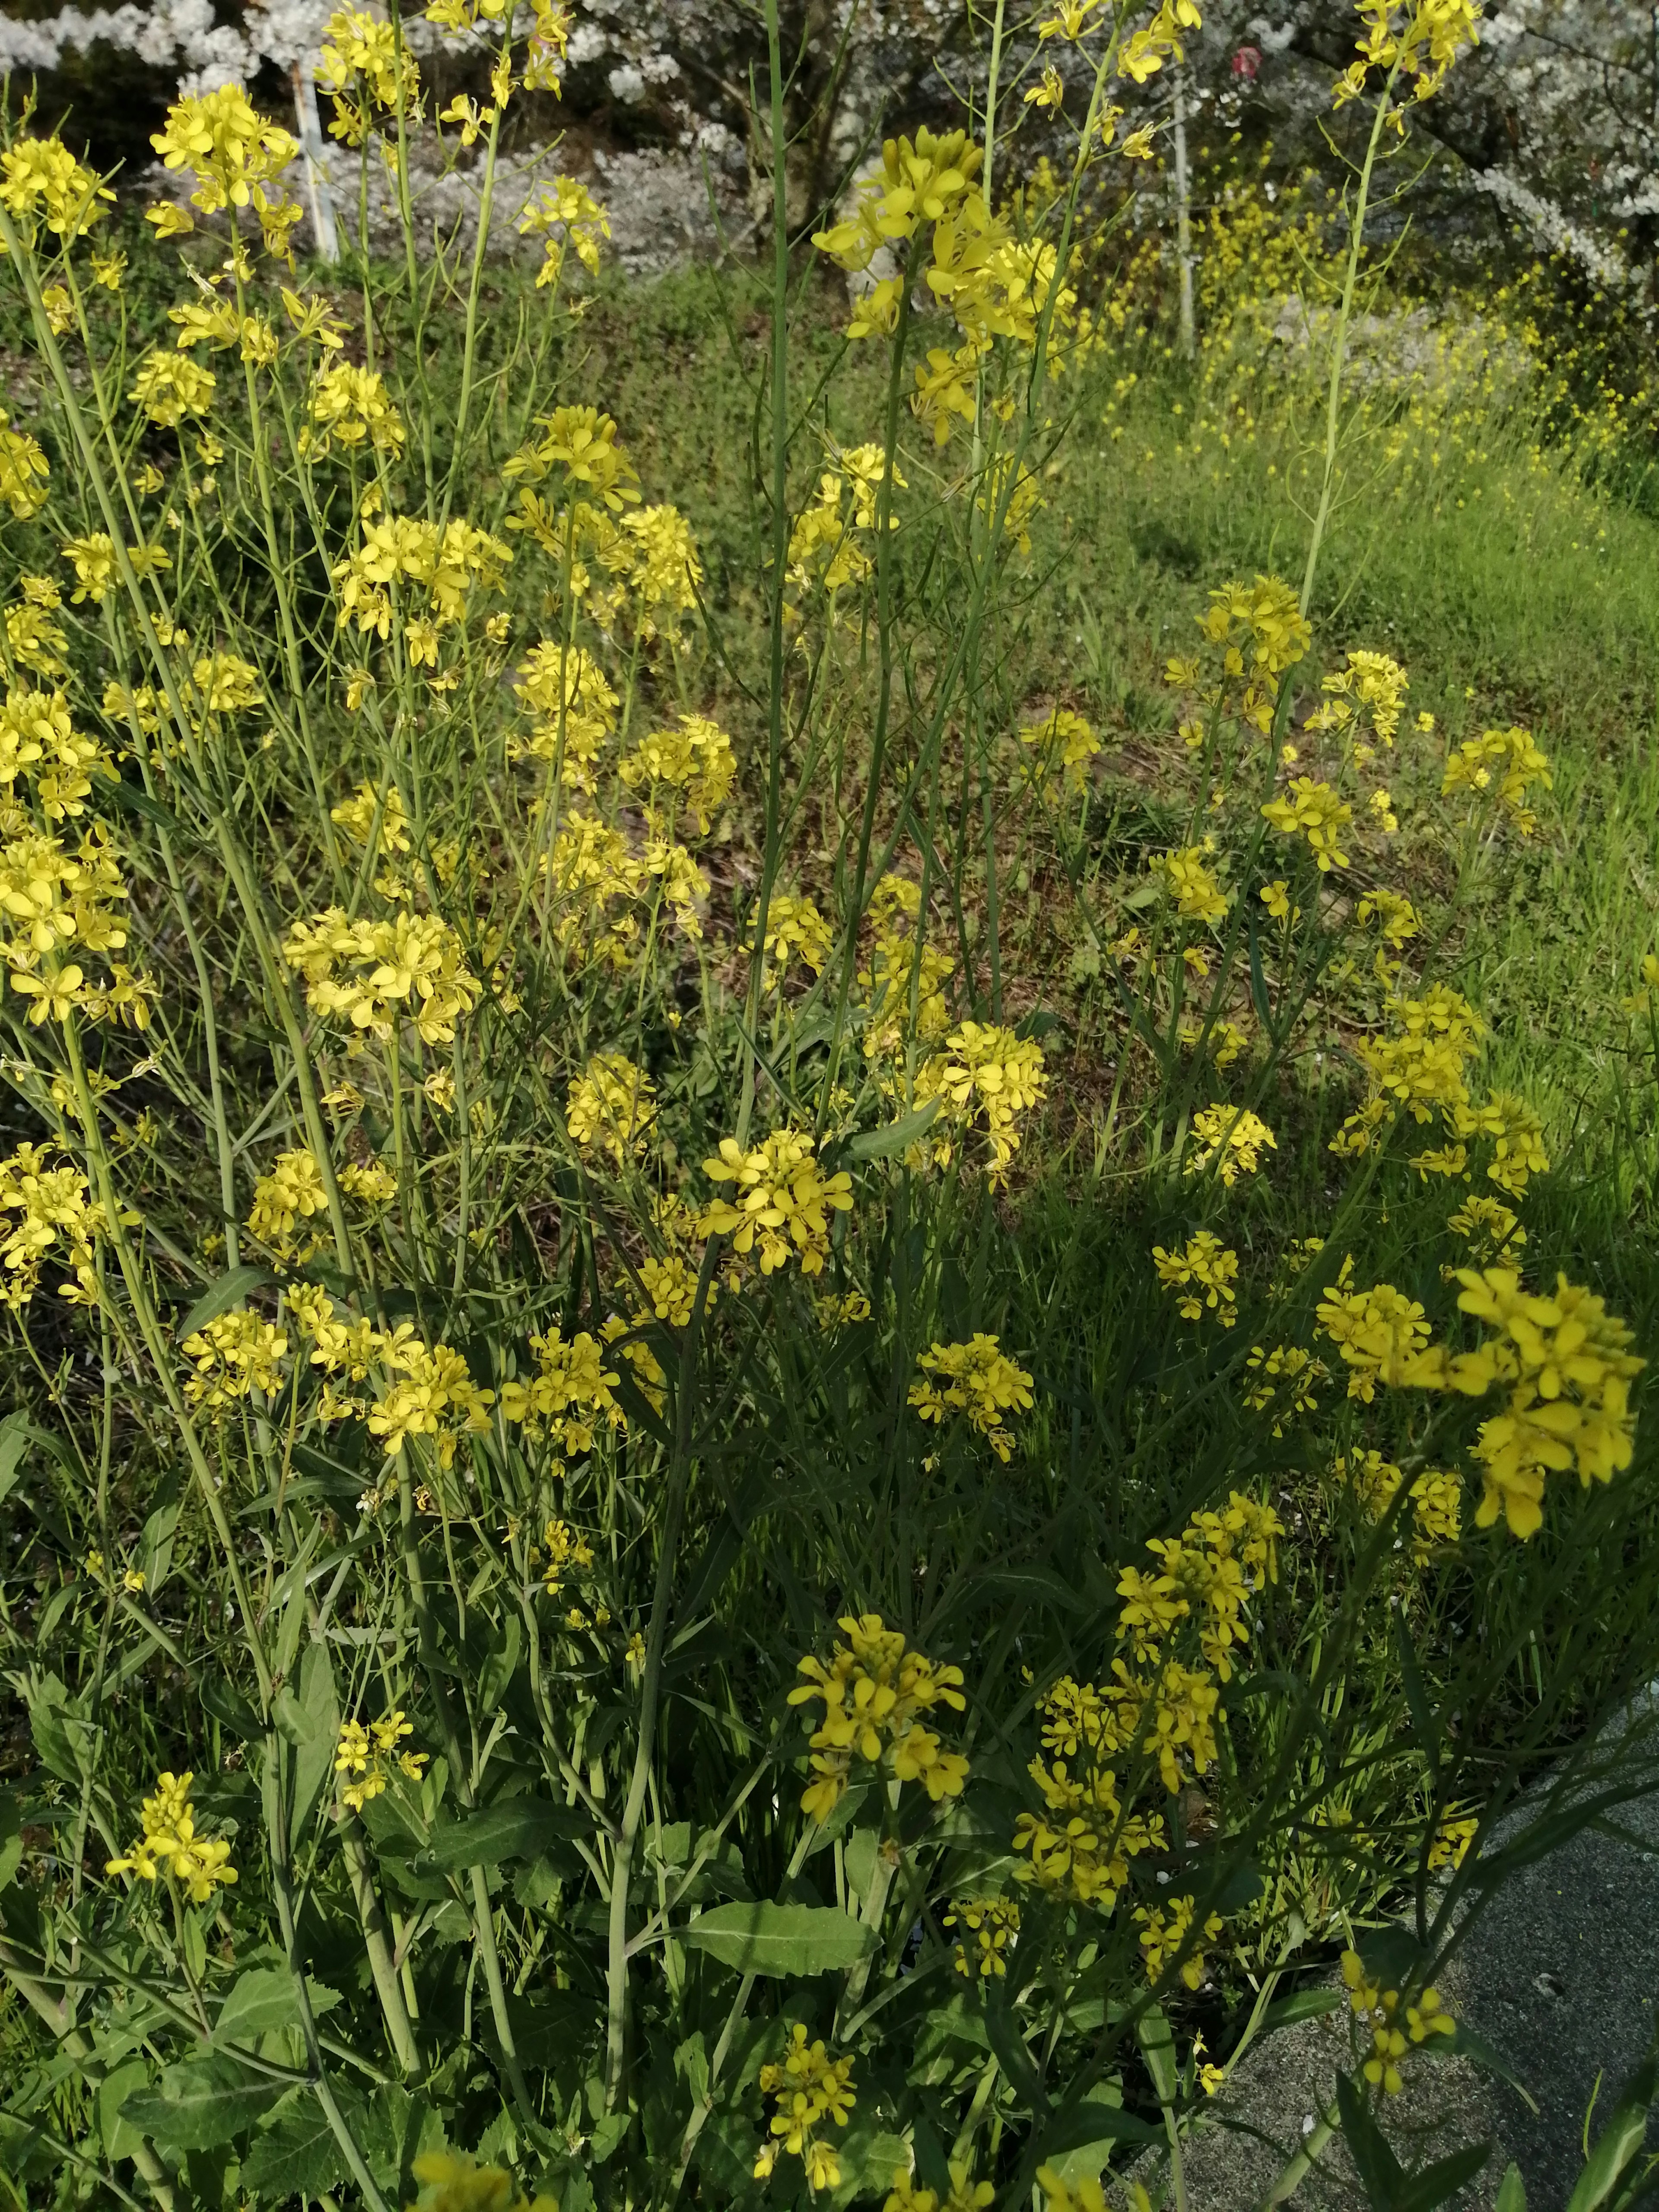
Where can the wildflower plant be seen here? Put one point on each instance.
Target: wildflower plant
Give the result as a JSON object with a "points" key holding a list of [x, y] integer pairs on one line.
{"points": [[587, 1365]]}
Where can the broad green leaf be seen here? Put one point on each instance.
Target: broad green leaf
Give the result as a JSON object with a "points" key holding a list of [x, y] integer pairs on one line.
{"points": [[298, 2154], [263, 1998], [1077, 2144], [897, 1136], [1301, 2004], [1442, 2180], [1621, 2141], [1157, 2040], [316, 1723], [204, 2102], [15, 1438], [121, 2138], [780, 1941], [1512, 2193], [512, 1828], [230, 1290], [1378, 2169]]}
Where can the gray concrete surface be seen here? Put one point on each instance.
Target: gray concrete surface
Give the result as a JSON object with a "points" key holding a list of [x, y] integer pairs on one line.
{"points": [[1561, 1978]]}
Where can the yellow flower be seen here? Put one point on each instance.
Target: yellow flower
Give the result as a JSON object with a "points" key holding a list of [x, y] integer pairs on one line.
{"points": [[781, 1197], [808, 2088], [1313, 810], [1233, 1137], [990, 1925], [611, 1105], [873, 1690], [1205, 1271], [169, 1844], [975, 1378]]}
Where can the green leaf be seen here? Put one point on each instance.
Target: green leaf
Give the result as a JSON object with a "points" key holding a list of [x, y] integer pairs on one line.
{"points": [[1301, 2004], [219, 1297], [500, 1665], [200, 2104], [1158, 2049], [1621, 2141], [1512, 2192], [131, 799], [121, 2138], [1378, 2169], [780, 1941], [262, 1999], [1097, 2119], [298, 2154], [311, 1725], [1436, 2183], [16, 1436], [897, 1136], [1464, 2043], [511, 1828]]}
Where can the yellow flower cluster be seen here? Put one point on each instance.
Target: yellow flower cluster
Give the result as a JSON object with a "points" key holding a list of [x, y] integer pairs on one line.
{"points": [[874, 1691], [1204, 1271], [611, 1105], [780, 1196], [1437, 1498], [1418, 39], [807, 2089], [1284, 1380], [44, 1208], [989, 1925], [696, 759], [170, 387], [293, 1191], [1423, 1070], [236, 158], [1377, 1331], [986, 1078], [581, 444], [349, 407], [561, 1552], [900, 972], [362, 1755], [442, 567], [1381, 2011], [824, 539], [1083, 2192], [973, 1378], [568, 1396], [369, 973], [25, 471], [577, 710], [1155, 1706], [1065, 744], [1261, 632], [39, 741], [1511, 759], [426, 1389], [1316, 811], [1564, 1364], [59, 903], [564, 214], [1164, 1928], [793, 925], [371, 73], [436, 1397], [170, 1845], [448, 2181], [42, 185], [1233, 1138], [1080, 1844], [1369, 689], [964, 2194], [1190, 883], [236, 1353]]}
